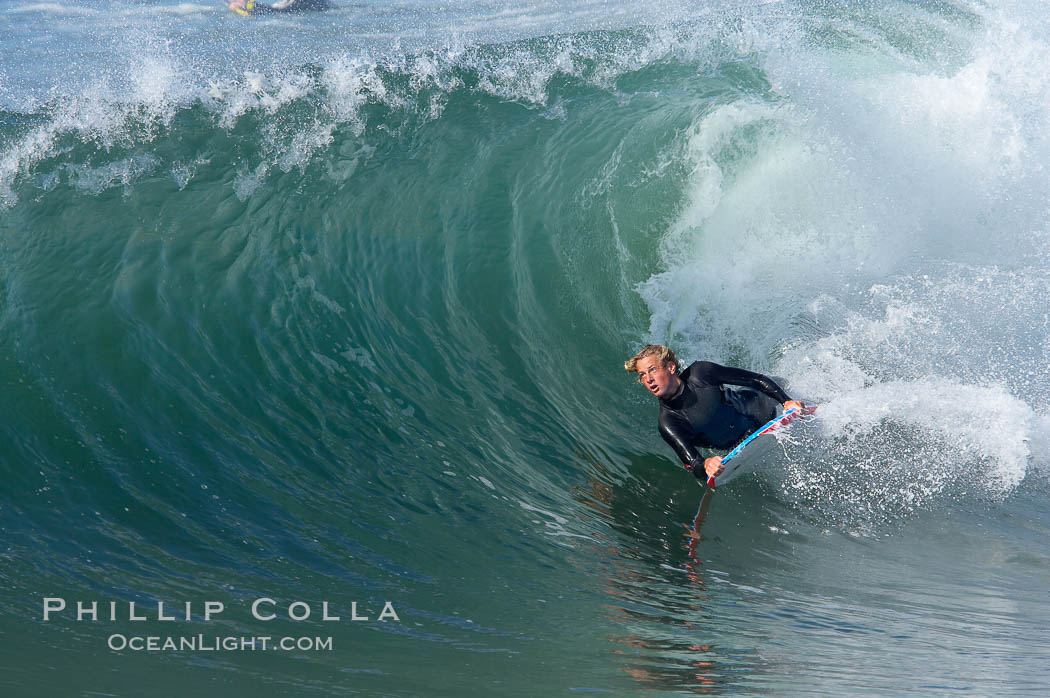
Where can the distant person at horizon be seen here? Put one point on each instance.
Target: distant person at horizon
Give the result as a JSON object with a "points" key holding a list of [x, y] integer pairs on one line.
{"points": [[251, 7], [699, 409]]}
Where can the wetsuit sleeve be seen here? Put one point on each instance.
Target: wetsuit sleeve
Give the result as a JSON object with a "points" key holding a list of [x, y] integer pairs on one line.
{"points": [[727, 375], [677, 436]]}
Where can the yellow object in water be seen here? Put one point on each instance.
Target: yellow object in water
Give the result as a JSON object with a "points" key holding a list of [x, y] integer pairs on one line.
{"points": [[243, 7]]}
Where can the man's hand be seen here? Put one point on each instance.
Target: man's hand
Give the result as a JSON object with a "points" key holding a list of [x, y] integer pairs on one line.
{"points": [[713, 466], [793, 404]]}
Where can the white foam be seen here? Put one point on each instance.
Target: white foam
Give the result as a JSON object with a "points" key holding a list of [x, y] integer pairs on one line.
{"points": [[57, 8], [95, 180], [977, 424]]}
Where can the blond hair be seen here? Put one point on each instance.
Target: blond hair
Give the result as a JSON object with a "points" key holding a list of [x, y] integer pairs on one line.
{"points": [[666, 356]]}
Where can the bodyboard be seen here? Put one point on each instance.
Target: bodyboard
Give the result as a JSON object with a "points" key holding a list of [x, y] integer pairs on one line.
{"points": [[756, 447]]}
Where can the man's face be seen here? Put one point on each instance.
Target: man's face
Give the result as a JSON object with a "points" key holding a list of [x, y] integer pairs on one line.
{"points": [[656, 376]]}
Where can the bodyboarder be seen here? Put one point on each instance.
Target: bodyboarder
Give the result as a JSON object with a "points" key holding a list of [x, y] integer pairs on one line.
{"points": [[247, 8], [707, 405]]}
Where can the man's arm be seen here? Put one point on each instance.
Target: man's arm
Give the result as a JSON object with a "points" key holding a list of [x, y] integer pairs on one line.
{"points": [[716, 373], [677, 437]]}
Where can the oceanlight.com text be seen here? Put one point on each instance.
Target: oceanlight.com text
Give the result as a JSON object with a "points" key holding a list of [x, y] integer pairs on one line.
{"points": [[216, 643]]}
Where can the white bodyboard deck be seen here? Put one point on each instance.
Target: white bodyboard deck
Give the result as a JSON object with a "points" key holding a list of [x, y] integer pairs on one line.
{"points": [[755, 447]]}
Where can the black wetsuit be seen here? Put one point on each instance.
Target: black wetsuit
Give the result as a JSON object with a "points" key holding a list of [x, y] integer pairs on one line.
{"points": [[707, 413]]}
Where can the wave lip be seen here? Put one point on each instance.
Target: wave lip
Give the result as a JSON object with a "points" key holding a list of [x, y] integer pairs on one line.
{"points": [[58, 8]]}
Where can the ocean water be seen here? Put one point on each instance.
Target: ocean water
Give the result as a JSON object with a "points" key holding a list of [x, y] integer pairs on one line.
{"points": [[333, 308]]}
